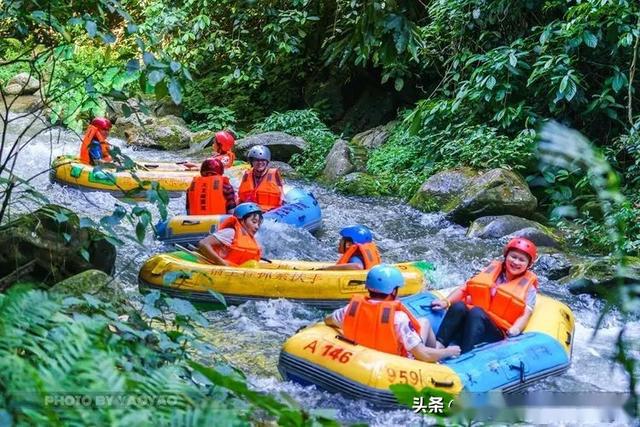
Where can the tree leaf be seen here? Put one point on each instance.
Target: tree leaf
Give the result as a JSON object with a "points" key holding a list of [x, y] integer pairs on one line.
{"points": [[398, 84], [572, 89], [491, 82], [148, 58], [133, 65], [589, 39], [218, 296], [155, 77], [175, 66], [563, 84], [174, 91]]}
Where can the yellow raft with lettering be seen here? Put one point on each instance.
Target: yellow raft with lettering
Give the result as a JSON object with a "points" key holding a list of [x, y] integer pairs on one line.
{"points": [[320, 356], [183, 275], [175, 178]]}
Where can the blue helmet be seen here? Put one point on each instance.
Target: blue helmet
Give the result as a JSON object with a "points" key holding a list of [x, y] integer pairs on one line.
{"points": [[259, 152], [244, 209], [384, 278], [357, 233]]}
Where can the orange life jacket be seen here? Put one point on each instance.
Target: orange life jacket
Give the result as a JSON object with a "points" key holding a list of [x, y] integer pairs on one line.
{"points": [[509, 301], [227, 158], [243, 247], [370, 323], [367, 251], [91, 134], [205, 195], [268, 194]]}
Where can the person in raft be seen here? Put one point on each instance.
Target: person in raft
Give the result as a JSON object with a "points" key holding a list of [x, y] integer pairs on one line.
{"points": [[95, 148], [223, 143], [381, 322], [234, 242], [495, 303], [357, 249], [261, 184], [210, 193]]}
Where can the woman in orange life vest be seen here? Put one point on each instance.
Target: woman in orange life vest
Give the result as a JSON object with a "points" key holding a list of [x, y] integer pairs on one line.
{"points": [[381, 322], [95, 148], [496, 302], [223, 146], [358, 252], [234, 243], [261, 184], [211, 193]]}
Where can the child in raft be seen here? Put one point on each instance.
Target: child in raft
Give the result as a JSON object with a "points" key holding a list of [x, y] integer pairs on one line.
{"points": [[383, 323], [234, 242], [357, 249], [495, 303]]}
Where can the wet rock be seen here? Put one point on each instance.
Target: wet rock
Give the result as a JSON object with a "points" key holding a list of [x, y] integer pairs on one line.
{"points": [[363, 143], [465, 196], [25, 103], [22, 84], [338, 162], [281, 145], [443, 191], [166, 107], [201, 140], [359, 184], [598, 276], [134, 124], [493, 227], [96, 283], [164, 133], [554, 266], [286, 170], [53, 238]]}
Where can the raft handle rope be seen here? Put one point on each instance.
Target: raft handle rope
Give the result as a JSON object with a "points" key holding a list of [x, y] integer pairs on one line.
{"points": [[437, 383], [520, 368], [345, 339], [568, 340]]}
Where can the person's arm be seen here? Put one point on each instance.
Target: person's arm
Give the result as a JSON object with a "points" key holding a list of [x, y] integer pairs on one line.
{"points": [[454, 296], [520, 323], [330, 321], [335, 319], [206, 248], [428, 354]]}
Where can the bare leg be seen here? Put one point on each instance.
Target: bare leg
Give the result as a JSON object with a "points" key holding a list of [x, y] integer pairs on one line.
{"points": [[426, 333]]}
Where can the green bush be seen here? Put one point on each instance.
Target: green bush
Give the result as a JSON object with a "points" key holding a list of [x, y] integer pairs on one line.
{"points": [[307, 125]]}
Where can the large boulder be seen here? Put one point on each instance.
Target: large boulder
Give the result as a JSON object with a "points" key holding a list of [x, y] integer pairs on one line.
{"points": [[22, 84], [282, 145], [363, 143], [164, 133], [598, 276], [442, 191], [338, 162], [360, 184], [97, 284], [25, 103], [553, 266], [201, 140], [134, 124], [51, 244], [465, 196], [493, 227], [286, 170]]}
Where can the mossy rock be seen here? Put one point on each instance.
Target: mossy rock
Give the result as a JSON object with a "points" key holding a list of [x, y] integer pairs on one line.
{"points": [[598, 276], [53, 237], [360, 184], [443, 191], [365, 142], [497, 226], [95, 283]]}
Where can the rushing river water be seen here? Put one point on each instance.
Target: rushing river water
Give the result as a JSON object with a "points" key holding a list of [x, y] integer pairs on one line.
{"points": [[250, 335]]}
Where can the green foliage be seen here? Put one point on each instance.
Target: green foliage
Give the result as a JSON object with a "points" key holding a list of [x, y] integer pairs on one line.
{"points": [[212, 118], [307, 125], [63, 358]]}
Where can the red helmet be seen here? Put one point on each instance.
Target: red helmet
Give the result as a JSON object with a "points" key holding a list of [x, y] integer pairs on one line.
{"points": [[211, 167], [524, 245], [101, 123], [225, 139]]}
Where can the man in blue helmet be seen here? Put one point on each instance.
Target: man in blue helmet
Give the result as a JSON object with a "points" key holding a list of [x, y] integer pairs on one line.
{"points": [[357, 249], [382, 323]]}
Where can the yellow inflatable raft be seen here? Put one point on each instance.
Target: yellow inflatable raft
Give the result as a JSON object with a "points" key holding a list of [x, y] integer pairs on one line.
{"points": [[175, 178], [319, 355], [184, 275]]}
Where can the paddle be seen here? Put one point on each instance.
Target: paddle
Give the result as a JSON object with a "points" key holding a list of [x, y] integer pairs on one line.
{"points": [[194, 253]]}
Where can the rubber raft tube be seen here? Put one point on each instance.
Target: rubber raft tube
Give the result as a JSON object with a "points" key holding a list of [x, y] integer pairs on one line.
{"points": [[300, 209], [319, 355], [183, 275], [175, 178]]}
